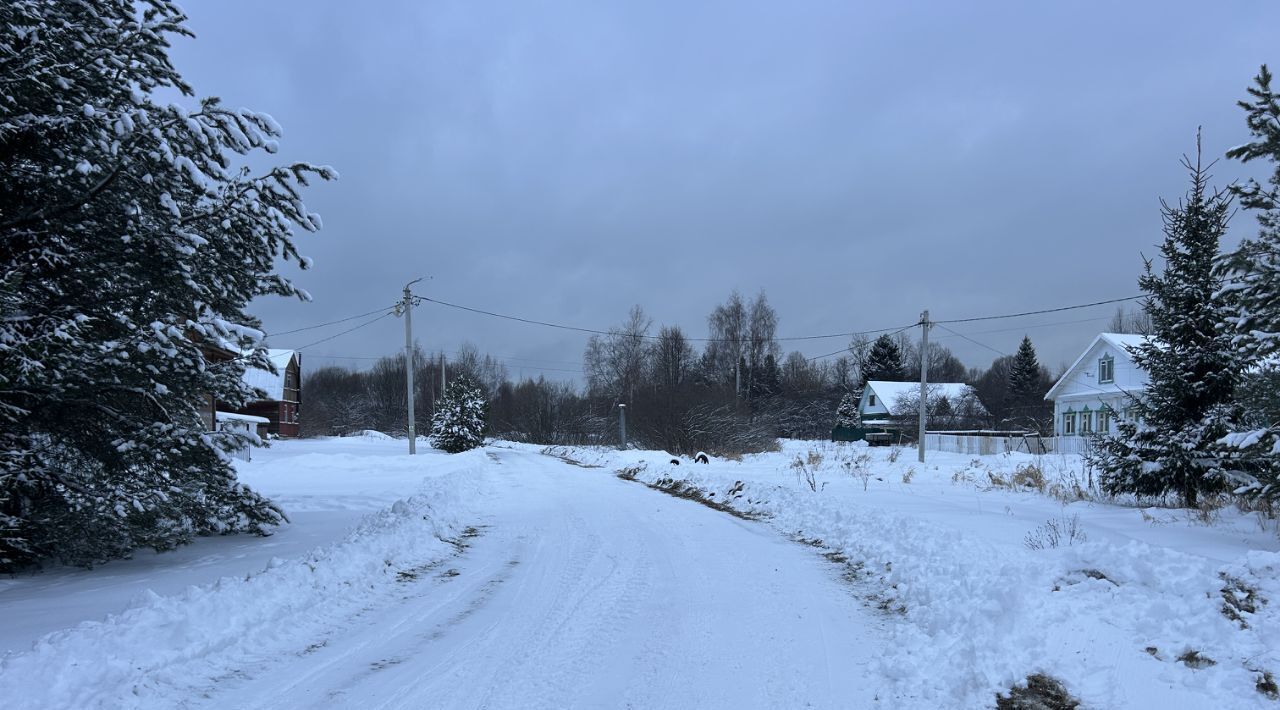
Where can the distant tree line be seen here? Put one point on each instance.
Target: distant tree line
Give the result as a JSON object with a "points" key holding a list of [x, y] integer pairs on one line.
{"points": [[733, 391]]}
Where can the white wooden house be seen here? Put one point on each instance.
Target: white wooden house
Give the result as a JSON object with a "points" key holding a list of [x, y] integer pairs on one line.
{"points": [[1098, 387], [883, 400]]}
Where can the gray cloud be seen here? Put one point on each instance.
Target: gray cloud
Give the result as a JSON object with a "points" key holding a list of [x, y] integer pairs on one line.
{"points": [[565, 160]]}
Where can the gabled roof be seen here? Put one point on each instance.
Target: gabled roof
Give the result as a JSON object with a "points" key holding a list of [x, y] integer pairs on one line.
{"points": [[890, 392], [1122, 342], [272, 384]]}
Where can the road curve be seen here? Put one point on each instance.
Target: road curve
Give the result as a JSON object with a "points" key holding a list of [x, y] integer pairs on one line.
{"points": [[583, 590]]}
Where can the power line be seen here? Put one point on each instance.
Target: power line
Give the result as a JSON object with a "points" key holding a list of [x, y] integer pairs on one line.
{"points": [[962, 335], [846, 349], [1036, 313], [349, 330], [516, 318], [1036, 325], [539, 368], [596, 331], [324, 325]]}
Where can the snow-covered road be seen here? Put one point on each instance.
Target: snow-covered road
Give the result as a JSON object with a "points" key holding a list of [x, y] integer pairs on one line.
{"points": [[582, 590], [505, 577]]}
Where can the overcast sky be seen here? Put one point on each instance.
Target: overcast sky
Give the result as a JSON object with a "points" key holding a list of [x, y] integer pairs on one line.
{"points": [[859, 162]]}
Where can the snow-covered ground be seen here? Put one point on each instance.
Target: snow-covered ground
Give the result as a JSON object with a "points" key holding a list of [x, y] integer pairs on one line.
{"points": [[943, 548], [326, 488], [506, 577]]}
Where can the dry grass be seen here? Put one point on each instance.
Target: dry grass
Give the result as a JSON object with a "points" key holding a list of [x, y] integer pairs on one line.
{"points": [[1029, 476], [1041, 692], [1197, 660], [683, 489], [1238, 599], [1056, 532], [1266, 684]]}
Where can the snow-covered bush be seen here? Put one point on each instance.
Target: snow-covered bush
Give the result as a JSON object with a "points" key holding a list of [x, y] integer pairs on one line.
{"points": [[847, 413], [459, 421]]}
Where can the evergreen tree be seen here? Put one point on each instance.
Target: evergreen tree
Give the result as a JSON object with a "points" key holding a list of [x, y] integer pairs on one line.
{"points": [[1187, 404], [133, 241], [1024, 375], [1027, 383], [1254, 268], [768, 381], [1252, 276], [847, 413], [884, 361], [459, 421]]}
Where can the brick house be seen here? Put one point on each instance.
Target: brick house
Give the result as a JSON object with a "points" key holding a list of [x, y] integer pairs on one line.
{"points": [[284, 393]]}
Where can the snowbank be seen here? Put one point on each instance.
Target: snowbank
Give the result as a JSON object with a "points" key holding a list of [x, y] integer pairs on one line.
{"points": [[152, 654]]}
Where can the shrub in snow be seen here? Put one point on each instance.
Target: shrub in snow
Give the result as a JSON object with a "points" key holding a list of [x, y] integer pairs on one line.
{"points": [[847, 413], [459, 421], [134, 241], [1056, 532]]}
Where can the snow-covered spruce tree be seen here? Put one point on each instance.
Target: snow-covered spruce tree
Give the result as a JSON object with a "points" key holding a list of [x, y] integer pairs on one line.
{"points": [[130, 244], [1024, 374], [847, 413], [1187, 405], [459, 421], [884, 361], [1251, 276]]}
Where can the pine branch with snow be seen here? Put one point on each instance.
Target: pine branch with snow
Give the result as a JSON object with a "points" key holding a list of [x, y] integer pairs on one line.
{"points": [[134, 240], [1251, 276]]}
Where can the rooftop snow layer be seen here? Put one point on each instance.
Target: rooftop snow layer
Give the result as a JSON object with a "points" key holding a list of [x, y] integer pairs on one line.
{"points": [[272, 384]]}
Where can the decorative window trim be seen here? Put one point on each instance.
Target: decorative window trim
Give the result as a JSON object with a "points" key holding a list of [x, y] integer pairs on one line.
{"points": [[1106, 370]]}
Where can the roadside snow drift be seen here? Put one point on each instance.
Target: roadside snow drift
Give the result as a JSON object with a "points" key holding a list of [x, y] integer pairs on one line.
{"points": [[157, 652]]}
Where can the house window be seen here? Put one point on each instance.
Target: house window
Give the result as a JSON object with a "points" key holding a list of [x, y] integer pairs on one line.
{"points": [[1068, 424], [1104, 420], [871, 401], [1106, 370], [1086, 422]]}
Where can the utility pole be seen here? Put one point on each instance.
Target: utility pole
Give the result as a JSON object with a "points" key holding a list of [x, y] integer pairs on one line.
{"points": [[924, 377], [444, 380], [622, 424], [407, 306]]}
